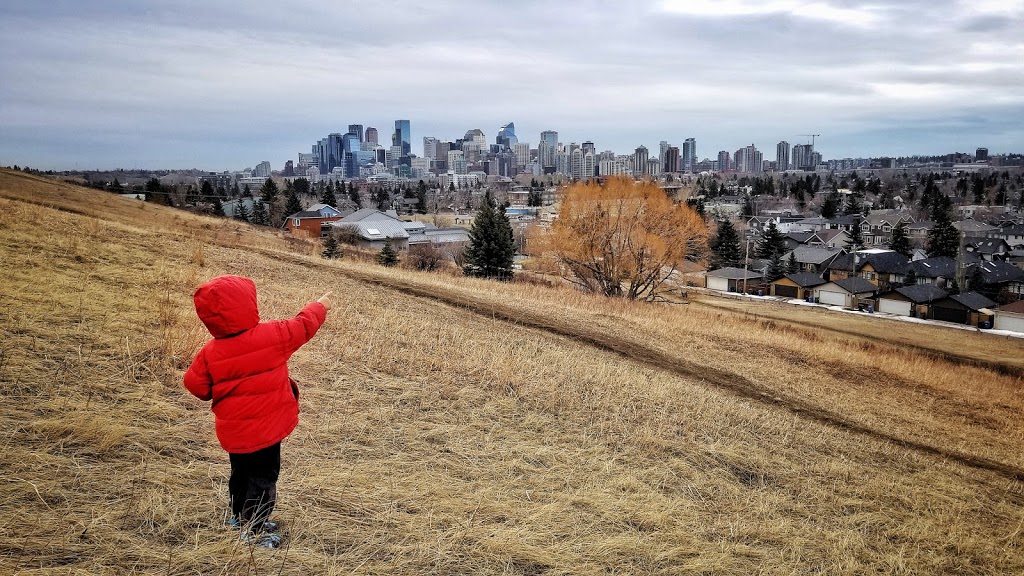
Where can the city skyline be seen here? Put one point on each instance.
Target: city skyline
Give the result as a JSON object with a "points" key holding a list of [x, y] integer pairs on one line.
{"points": [[223, 86]]}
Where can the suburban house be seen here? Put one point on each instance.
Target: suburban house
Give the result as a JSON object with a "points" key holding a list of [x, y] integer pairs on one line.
{"points": [[918, 232], [372, 228], [987, 249], [968, 308], [812, 259], [732, 279], [938, 271], [971, 227], [798, 286], [999, 276], [829, 239], [1014, 235], [313, 222], [877, 226], [883, 268], [813, 224], [848, 292], [794, 239], [1010, 317], [844, 222], [910, 300]]}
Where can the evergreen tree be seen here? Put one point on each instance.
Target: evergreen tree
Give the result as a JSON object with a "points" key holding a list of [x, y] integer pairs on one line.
{"points": [[910, 278], [491, 249], [535, 198], [331, 249], [235, 192], [218, 207], [725, 246], [353, 195], [856, 241], [268, 192], [242, 213], [830, 207], [748, 207], [772, 243], [943, 238], [387, 256], [301, 187], [294, 205], [328, 197], [259, 213], [792, 266], [246, 192], [854, 203], [776, 267], [421, 197], [978, 188], [900, 241]]}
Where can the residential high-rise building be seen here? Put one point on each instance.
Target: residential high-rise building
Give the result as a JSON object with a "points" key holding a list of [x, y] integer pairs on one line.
{"points": [[750, 160], [662, 147], [429, 147], [782, 156], [547, 150], [371, 136], [506, 138], [403, 136], [457, 161], [262, 170], [576, 167], [803, 157], [724, 161], [689, 154], [640, 157], [522, 152], [671, 159], [653, 168], [588, 146], [981, 155], [356, 129], [589, 165]]}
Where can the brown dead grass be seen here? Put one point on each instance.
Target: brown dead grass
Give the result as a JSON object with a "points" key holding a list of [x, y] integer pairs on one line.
{"points": [[443, 439]]}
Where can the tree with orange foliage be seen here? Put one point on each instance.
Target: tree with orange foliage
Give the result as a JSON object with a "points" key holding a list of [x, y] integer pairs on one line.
{"points": [[622, 238]]}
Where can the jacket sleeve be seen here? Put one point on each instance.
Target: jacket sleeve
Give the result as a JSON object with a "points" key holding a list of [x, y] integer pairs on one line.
{"points": [[299, 330], [197, 378]]}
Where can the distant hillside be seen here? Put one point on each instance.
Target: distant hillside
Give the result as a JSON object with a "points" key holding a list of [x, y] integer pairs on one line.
{"points": [[457, 426]]}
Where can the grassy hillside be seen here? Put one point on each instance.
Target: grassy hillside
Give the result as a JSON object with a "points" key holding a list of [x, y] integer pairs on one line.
{"points": [[455, 426]]}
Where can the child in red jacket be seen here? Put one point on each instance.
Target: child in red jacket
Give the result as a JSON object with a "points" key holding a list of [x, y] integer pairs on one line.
{"points": [[244, 371]]}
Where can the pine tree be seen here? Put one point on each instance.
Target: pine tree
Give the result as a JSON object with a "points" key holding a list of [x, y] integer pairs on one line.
{"points": [[387, 256], [776, 267], [218, 207], [856, 241], [294, 205], [491, 249], [421, 197], [900, 241], [242, 213], [268, 192], [910, 278], [725, 247], [353, 195], [331, 249], [943, 238], [772, 243], [792, 266], [327, 195], [259, 213], [830, 207]]}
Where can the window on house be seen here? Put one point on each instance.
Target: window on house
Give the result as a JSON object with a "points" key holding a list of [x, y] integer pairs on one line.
{"points": [[295, 222]]}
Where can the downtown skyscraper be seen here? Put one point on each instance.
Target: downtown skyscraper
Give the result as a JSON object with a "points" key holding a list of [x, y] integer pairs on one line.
{"points": [[782, 156], [689, 154], [402, 137]]}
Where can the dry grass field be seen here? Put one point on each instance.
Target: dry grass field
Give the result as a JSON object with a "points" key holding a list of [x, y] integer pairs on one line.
{"points": [[457, 426]]}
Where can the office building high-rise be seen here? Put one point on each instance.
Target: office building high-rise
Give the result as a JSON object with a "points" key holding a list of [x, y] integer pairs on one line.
{"points": [[506, 138], [782, 156], [689, 154], [356, 129], [981, 155], [403, 136], [522, 152], [724, 161], [671, 160], [371, 136], [547, 150], [750, 161], [640, 157], [429, 147]]}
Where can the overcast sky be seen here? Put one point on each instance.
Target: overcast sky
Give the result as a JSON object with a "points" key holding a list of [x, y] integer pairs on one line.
{"points": [[223, 85]]}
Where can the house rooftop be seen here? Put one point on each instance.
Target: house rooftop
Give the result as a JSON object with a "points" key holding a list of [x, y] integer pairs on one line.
{"points": [[806, 279], [973, 300], [922, 293], [856, 285], [734, 274]]}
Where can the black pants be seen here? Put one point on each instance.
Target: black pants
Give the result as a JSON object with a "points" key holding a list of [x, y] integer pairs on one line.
{"points": [[253, 484]]}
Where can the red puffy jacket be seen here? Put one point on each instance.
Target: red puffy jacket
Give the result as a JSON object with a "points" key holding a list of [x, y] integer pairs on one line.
{"points": [[244, 369]]}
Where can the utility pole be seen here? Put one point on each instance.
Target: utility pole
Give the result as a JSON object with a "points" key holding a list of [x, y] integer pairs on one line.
{"points": [[746, 262]]}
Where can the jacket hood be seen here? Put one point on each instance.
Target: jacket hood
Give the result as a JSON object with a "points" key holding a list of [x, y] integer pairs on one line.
{"points": [[227, 305]]}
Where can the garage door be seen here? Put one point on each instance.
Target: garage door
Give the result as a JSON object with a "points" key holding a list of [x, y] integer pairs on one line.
{"points": [[786, 291], [950, 315], [1009, 322], [832, 298], [894, 307], [718, 283]]}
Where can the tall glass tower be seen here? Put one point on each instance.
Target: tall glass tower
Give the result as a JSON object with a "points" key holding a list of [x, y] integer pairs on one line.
{"points": [[403, 136]]}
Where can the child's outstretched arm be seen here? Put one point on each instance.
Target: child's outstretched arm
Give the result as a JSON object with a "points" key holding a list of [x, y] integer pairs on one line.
{"points": [[197, 378], [302, 328]]}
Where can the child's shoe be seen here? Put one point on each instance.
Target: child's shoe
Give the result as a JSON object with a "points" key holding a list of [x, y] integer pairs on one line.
{"points": [[268, 526], [265, 540]]}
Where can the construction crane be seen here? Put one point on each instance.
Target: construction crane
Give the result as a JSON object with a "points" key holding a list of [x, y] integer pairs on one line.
{"points": [[811, 136]]}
